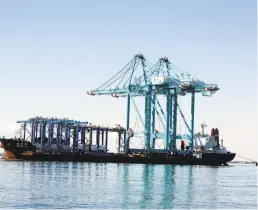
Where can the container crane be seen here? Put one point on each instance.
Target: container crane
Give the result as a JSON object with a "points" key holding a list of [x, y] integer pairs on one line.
{"points": [[162, 78], [58, 130]]}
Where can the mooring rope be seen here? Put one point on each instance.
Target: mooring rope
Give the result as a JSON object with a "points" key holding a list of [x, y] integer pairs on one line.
{"points": [[247, 158]]}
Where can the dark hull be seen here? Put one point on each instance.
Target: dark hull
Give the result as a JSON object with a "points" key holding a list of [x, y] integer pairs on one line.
{"points": [[12, 153], [214, 160]]}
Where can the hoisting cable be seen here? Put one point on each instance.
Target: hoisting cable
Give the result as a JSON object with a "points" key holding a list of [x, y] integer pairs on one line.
{"points": [[247, 159], [123, 76], [114, 75], [148, 72], [127, 81], [126, 71], [185, 72]]}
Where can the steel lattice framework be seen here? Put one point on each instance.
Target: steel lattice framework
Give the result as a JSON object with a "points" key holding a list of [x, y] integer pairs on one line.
{"points": [[138, 78]]}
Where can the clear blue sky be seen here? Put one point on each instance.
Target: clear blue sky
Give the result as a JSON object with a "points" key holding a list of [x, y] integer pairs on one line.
{"points": [[52, 51]]}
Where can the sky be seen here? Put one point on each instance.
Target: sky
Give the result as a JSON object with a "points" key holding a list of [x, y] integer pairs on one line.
{"points": [[51, 52]]}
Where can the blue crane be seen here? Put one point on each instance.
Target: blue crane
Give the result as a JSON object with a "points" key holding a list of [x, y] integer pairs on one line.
{"points": [[150, 81]]}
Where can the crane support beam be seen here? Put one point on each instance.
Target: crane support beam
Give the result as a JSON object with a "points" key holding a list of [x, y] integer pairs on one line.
{"points": [[173, 145], [58, 135], [67, 136], [158, 113], [147, 130], [192, 119], [50, 135], [135, 61], [127, 123], [24, 130], [189, 129], [52, 120], [42, 133], [135, 90], [168, 112], [33, 132], [83, 136], [36, 132], [153, 117], [137, 111], [162, 135], [171, 113], [139, 90]]}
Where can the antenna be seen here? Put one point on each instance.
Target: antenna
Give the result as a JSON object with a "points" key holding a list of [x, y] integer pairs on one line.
{"points": [[203, 125]]}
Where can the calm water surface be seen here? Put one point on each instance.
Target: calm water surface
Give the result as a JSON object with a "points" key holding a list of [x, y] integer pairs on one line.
{"points": [[96, 185]]}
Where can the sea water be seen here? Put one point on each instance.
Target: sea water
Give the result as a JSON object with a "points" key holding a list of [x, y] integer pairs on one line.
{"points": [[116, 186]]}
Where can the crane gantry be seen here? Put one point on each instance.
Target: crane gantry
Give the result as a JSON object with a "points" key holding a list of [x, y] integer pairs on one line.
{"points": [[162, 78]]}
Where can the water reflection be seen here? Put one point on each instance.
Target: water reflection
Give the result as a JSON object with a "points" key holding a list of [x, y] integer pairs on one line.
{"points": [[161, 186], [147, 191], [168, 195], [95, 185], [212, 183], [125, 186], [190, 185]]}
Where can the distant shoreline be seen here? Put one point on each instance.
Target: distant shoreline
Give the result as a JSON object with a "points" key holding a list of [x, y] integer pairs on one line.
{"points": [[242, 162]]}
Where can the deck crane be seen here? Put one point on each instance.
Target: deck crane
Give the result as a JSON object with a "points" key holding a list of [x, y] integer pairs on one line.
{"points": [[162, 78]]}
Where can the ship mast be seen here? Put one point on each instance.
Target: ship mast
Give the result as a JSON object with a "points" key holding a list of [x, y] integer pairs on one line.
{"points": [[203, 125]]}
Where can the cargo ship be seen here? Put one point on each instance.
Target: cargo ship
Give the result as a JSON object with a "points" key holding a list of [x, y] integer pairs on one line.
{"points": [[209, 153], [52, 139], [21, 150]]}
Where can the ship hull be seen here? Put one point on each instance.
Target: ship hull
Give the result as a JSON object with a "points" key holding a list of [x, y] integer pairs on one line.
{"points": [[14, 153]]}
